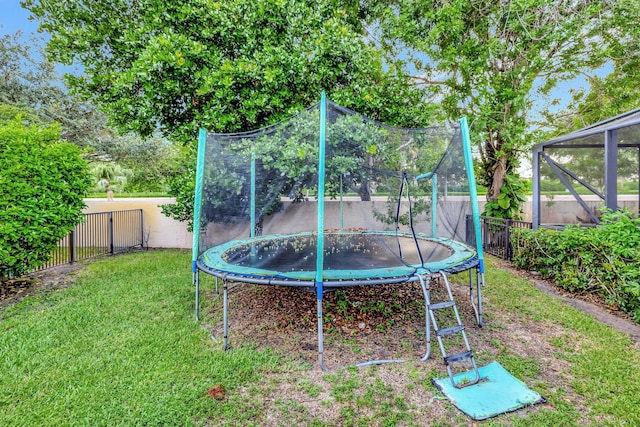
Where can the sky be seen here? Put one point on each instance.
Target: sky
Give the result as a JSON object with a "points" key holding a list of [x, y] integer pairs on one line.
{"points": [[13, 18]]}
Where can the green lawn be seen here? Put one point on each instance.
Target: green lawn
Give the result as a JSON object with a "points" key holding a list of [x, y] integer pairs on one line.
{"points": [[121, 347]]}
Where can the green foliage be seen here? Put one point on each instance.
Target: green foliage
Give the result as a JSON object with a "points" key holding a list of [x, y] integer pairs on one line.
{"points": [[29, 80], [484, 58], [174, 67], [42, 181], [152, 161], [615, 92], [171, 68], [109, 175], [604, 260], [286, 163], [509, 203], [26, 81], [182, 187], [420, 210]]}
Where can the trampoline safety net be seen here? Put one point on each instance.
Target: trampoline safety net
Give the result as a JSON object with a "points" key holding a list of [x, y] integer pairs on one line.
{"points": [[329, 170]]}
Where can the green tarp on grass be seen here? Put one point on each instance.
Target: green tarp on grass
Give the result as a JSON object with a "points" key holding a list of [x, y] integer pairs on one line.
{"points": [[497, 392]]}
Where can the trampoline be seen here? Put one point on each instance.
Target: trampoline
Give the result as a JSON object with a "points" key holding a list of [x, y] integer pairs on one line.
{"points": [[372, 258], [330, 199]]}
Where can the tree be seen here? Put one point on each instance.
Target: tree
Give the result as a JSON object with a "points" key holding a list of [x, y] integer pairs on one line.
{"points": [[605, 97], [170, 68], [150, 161], [110, 176], [614, 93], [173, 67], [25, 80], [482, 58], [43, 181], [29, 80]]}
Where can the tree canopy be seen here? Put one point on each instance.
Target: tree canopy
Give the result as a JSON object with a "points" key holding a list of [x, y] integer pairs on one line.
{"points": [[31, 83], [29, 80], [25, 81], [227, 66], [171, 68], [239, 65], [614, 93], [483, 58]]}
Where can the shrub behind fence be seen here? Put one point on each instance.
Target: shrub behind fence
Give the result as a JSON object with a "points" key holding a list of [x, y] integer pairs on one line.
{"points": [[101, 233]]}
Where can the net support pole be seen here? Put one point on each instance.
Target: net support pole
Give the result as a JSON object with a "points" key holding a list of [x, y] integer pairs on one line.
{"points": [[611, 169], [425, 283], [252, 206], [434, 204], [535, 187], [225, 315], [197, 210], [320, 246], [341, 205], [475, 211], [252, 214]]}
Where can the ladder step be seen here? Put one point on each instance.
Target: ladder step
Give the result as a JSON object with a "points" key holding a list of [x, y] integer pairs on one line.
{"points": [[449, 331], [444, 304], [458, 357]]}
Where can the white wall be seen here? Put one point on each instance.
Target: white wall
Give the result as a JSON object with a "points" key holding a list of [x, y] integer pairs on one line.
{"points": [[159, 230], [163, 232]]}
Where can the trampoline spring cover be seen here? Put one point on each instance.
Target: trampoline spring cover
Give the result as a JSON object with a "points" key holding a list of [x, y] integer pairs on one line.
{"points": [[356, 256]]}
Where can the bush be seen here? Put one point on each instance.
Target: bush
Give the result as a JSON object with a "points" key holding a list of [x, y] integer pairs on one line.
{"points": [[42, 182], [603, 260]]}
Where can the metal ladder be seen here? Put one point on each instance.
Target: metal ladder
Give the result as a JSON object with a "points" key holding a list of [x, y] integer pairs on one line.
{"points": [[457, 328]]}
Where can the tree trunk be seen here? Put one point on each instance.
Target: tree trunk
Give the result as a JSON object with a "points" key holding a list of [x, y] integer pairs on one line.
{"points": [[497, 180], [364, 192]]}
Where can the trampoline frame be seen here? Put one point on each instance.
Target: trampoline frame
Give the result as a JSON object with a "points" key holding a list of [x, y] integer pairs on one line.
{"points": [[424, 274], [212, 261], [423, 277]]}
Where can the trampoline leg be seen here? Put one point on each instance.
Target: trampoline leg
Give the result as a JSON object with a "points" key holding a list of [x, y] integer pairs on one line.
{"points": [[425, 283], [471, 296], [225, 316], [476, 303], [480, 285], [320, 338]]}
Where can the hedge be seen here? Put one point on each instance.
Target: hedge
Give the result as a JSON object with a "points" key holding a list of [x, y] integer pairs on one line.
{"points": [[42, 183], [602, 260]]}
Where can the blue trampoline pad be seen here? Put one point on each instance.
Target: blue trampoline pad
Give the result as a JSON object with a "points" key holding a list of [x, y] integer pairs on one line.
{"points": [[497, 392]]}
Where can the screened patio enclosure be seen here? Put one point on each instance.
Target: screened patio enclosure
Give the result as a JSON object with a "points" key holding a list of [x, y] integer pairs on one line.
{"points": [[576, 175]]}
